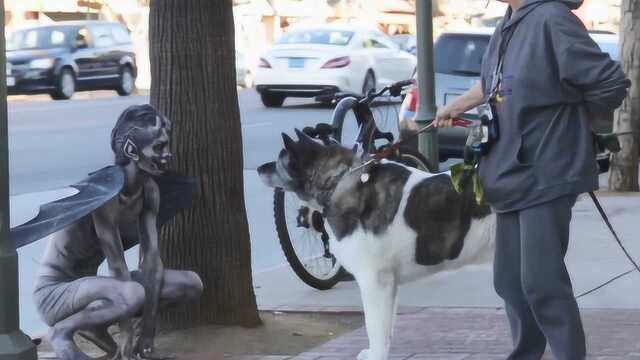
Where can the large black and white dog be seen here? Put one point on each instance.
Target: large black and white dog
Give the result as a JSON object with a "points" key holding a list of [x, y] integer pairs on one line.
{"points": [[393, 225]]}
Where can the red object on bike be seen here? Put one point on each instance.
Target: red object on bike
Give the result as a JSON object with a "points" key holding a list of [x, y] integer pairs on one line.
{"points": [[462, 122]]}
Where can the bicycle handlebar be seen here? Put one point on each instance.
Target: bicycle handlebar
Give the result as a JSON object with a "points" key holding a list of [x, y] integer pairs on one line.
{"points": [[393, 89]]}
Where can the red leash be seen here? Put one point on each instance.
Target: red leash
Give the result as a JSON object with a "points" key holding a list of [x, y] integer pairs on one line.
{"points": [[388, 151]]}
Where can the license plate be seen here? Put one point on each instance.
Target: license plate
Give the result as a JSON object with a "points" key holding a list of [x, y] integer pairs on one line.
{"points": [[296, 63], [11, 81]]}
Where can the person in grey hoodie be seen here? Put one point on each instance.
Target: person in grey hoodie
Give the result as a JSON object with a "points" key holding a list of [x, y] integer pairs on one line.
{"points": [[552, 81]]}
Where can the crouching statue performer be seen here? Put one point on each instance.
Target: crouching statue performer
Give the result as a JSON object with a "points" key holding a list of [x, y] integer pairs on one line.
{"points": [[116, 208]]}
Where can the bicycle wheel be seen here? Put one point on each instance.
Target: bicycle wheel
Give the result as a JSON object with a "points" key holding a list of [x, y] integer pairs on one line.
{"points": [[412, 158], [305, 241]]}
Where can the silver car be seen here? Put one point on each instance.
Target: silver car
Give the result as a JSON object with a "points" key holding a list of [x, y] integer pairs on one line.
{"points": [[458, 57]]}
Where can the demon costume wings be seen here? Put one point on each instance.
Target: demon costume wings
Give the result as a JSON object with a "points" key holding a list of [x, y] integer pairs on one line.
{"points": [[176, 193]]}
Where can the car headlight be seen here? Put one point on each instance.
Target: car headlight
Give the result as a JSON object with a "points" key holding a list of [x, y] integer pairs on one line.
{"points": [[41, 63]]}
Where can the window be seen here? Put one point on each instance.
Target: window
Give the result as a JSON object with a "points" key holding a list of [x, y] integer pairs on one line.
{"points": [[323, 37], [379, 44], [38, 38], [460, 54], [102, 36], [120, 34], [378, 40], [370, 43], [610, 48], [83, 34]]}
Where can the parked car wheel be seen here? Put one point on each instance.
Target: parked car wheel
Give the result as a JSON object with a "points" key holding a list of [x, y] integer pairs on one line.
{"points": [[127, 82], [272, 100], [369, 83], [65, 85]]}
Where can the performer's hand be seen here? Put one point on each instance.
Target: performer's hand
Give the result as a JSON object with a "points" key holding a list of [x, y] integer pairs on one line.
{"points": [[126, 349]]}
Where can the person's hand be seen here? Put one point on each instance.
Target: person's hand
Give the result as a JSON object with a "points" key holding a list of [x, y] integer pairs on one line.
{"points": [[444, 117]]}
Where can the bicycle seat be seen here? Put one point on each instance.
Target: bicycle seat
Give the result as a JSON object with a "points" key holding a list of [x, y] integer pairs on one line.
{"points": [[321, 131], [383, 135]]}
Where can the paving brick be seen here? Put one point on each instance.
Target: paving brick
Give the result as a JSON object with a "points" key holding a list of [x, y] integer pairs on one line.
{"points": [[483, 334], [439, 357]]}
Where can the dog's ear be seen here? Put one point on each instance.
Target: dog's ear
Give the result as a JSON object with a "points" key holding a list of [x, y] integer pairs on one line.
{"points": [[304, 138], [289, 143]]}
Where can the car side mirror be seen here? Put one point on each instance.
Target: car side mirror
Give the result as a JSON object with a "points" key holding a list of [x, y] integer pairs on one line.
{"points": [[81, 43]]}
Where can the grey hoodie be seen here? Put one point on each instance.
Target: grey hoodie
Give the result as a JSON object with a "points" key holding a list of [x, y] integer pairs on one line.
{"points": [[555, 78]]}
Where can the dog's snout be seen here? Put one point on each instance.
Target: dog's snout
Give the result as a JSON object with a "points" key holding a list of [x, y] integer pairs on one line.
{"points": [[267, 168]]}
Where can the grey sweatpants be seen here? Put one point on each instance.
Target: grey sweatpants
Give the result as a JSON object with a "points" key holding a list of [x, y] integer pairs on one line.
{"points": [[530, 275]]}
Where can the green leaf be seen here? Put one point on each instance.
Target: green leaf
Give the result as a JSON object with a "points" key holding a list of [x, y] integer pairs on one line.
{"points": [[457, 170], [478, 190]]}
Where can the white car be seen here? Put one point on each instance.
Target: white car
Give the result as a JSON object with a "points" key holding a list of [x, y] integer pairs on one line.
{"points": [[313, 61]]}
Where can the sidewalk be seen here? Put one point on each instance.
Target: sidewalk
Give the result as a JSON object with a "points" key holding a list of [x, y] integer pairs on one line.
{"points": [[434, 334], [482, 334]]}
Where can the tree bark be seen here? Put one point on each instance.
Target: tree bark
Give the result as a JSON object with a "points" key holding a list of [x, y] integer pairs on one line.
{"points": [[624, 166], [193, 84]]}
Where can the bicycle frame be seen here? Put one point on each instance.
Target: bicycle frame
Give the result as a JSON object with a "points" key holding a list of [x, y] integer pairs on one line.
{"points": [[369, 131]]}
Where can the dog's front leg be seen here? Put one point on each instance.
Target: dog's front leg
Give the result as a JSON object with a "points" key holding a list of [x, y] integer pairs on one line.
{"points": [[379, 292]]}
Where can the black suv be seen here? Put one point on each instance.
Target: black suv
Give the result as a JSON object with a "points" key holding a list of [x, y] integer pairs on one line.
{"points": [[68, 56]]}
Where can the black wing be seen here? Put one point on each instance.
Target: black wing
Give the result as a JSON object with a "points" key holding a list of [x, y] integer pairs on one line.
{"points": [[93, 192], [176, 193]]}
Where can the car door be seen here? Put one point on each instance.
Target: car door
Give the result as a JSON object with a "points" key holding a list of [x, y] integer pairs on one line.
{"points": [[379, 54], [84, 54], [107, 57], [398, 64]]}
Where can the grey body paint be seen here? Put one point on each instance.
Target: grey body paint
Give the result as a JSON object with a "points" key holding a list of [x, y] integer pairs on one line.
{"points": [[72, 298]]}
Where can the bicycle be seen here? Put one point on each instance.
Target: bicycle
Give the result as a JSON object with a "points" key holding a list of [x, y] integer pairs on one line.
{"points": [[309, 255]]}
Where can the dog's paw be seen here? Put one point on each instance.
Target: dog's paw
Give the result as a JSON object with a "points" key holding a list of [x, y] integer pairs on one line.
{"points": [[363, 355]]}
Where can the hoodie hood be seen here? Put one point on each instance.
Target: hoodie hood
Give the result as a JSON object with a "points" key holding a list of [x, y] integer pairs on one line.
{"points": [[529, 5]]}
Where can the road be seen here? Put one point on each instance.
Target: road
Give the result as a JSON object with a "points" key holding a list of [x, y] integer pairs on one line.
{"points": [[52, 144], [55, 144]]}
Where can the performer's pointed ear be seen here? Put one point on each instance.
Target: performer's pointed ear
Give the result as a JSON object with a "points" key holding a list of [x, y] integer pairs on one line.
{"points": [[131, 150]]}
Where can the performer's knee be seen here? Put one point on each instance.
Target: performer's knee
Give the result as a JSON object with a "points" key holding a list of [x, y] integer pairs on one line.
{"points": [[132, 296], [193, 286]]}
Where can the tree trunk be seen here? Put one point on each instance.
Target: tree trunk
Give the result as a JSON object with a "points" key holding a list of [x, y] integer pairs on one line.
{"points": [[193, 84], [624, 166]]}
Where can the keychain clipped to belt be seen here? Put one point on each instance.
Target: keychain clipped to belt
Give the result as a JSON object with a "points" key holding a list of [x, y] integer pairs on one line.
{"points": [[483, 132]]}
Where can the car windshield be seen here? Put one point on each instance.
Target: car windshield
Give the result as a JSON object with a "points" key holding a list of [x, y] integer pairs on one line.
{"points": [[38, 38], [460, 54], [610, 48], [323, 37]]}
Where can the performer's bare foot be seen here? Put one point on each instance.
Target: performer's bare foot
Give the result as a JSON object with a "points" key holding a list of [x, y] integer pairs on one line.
{"points": [[64, 346], [101, 338], [154, 356]]}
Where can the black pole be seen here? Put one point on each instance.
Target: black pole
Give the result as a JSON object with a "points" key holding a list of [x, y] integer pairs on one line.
{"points": [[14, 344], [428, 141]]}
